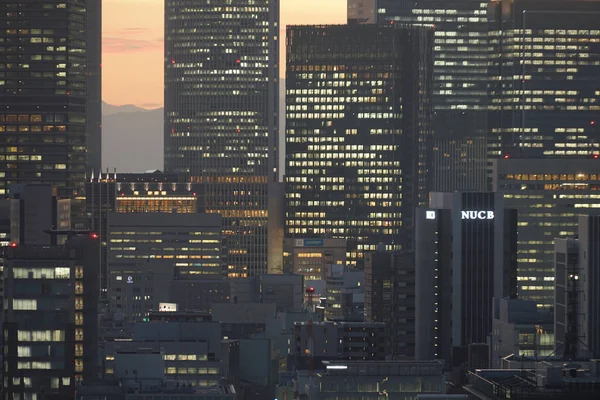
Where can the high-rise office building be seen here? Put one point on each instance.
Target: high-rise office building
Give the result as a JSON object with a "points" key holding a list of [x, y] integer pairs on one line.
{"points": [[458, 159], [221, 120], [94, 84], [50, 328], [576, 315], [43, 96], [545, 78], [548, 194], [465, 257], [358, 116]]}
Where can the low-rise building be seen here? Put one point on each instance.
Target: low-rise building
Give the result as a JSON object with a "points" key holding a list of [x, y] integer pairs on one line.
{"points": [[521, 328], [147, 251], [394, 380], [344, 294], [338, 341], [311, 258], [191, 351]]}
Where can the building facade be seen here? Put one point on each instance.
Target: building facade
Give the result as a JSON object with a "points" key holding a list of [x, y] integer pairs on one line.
{"points": [[358, 116], [458, 158], [548, 195], [344, 295], [126, 193], [339, 341], [94, 84], [312, 257], [403, 380], [577, 271], [147, 251], [36, 209], [465, 257], [50, 328], [521, 329], [390, 298], [43, 97], [544, 78], [221, 120]]}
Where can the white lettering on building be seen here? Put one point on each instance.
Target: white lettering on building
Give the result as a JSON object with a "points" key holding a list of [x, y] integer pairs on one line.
{"points": [[430, 214], [477, 215]]}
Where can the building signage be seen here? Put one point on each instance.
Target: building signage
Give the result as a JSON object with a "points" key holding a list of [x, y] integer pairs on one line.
{"points": [[476, 215], [313, 242], [130, 279], [430, 214], [309, 242]]}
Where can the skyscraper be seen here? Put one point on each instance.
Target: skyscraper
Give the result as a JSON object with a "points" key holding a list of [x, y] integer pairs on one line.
{"points": [[358, 119], [544, 78], [458, 159], [465, 256], [94, 84], [549, 194], [221, 122], [43, 96]]}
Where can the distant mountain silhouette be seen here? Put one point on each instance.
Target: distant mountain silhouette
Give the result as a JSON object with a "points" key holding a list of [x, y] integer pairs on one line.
{"points": [[132, 138], [109, 109]]}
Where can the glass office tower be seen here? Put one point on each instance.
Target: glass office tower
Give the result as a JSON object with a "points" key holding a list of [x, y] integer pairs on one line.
{"points": [[358, 117], [221, 123], [545, 78], [458, 159], [544, 111], [43, 96]]}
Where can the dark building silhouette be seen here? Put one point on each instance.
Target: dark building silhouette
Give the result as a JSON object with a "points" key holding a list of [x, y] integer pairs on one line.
{"points": [[35, 208], [50, 327], [465, 257], [358, 116], [94, 84], [544, 78], [390, 298], [221, 120], [577, 277], [43, 96]]}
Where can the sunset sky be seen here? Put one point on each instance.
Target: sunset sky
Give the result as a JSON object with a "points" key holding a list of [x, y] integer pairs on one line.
{"points": [[132, 64]]}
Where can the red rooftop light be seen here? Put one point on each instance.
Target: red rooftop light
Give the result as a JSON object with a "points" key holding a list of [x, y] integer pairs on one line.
{"points": [[506, 156], [13, 244], [94, 235]]}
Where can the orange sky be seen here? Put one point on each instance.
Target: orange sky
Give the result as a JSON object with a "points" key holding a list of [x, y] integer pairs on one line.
{"points": [[132, 61]]}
